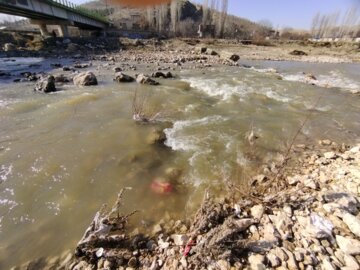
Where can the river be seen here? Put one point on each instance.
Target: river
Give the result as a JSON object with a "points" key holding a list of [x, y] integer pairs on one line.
{"points": [[63, 155]]}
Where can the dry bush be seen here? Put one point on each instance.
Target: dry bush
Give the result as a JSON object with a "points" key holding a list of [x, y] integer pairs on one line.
{"points": [[143, 112]]}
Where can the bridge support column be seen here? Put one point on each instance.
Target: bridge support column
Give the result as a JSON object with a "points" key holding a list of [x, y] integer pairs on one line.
{"points": [[63, 30], [43, 30]]}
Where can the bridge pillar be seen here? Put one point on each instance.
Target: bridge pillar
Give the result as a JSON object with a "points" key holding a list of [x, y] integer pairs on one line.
{"points": [[43, 30], [63, 30]]}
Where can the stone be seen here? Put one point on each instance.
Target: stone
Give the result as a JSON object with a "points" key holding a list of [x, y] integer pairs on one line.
{"points": [[257, 211], [85, 79], [229, 56], [353, 223], [9, 47], [310, 183], [159, 74], [327, 265], [133, 262], [348, 245], [143, 79], [117, 69], [223, 265], [156, 136], [291, 262], [123, 78], [273, 260], [180, 239], [351, 262], [330, 155], [257, 262], [298, 53], [157, 229], [46, 85]]}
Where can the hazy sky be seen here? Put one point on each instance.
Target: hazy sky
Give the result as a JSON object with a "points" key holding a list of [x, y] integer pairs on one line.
{"points": [[282, 13]]}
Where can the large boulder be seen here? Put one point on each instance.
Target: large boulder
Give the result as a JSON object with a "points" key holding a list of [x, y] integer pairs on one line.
{"points": [[46, 85], [85, 79], [143, 79], [9, 47], [123, 78]]}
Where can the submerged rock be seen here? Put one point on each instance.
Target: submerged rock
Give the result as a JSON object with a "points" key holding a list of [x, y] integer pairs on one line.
{"points": [[46, 85], [156, 136], [85, 79]]}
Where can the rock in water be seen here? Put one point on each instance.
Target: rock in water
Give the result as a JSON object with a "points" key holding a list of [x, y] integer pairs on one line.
{"points": [[46, 85], [85, 79], [121, 77], [159, 74], [143, 79]]}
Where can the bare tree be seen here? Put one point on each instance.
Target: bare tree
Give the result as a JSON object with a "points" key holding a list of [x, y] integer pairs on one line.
{"points": [[175, 14], [223, 15]]}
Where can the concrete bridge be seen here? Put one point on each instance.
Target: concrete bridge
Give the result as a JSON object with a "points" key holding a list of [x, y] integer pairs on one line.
{"points": [[54, 12]]}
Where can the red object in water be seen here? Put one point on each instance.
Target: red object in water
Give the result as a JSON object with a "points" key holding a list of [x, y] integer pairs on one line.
{"points": [[161, 187]]}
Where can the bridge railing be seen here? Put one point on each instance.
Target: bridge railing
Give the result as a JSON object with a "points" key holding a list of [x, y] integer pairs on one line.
{"points": [[78, 9]]}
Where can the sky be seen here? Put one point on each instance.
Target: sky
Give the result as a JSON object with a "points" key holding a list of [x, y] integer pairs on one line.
{"points": [[282, 13]]}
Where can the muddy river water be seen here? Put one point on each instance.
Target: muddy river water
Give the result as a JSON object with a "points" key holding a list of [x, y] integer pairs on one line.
{"points": [[63, 155]]}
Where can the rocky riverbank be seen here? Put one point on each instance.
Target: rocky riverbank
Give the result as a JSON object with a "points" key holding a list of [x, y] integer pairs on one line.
{"points": [[303, 215]]}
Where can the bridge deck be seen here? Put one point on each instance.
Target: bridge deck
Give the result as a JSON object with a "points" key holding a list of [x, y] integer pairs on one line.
{"points": [[54, 10]]}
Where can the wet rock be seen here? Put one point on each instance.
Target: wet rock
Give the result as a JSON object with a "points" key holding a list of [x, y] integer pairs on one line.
{"points": [[8, 47], [353, 223], [143, 79], [46, 85], [348, 245], [173, 173], [123, 78], [298, 53], [156, 136], [159, 74], [85, 79]]}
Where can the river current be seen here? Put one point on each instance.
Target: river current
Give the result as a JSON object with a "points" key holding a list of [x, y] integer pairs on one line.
{"points": [[63, 155]]}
